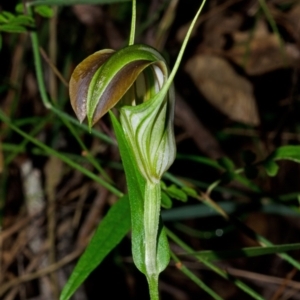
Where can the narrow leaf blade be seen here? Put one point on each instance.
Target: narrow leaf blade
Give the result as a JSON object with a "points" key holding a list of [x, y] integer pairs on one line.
{"points": [[73, 2], [245, 252], [136, 187], [109, 233], [287, 152]]}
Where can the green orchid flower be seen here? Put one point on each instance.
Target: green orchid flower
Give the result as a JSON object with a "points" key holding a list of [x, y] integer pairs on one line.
{"points": [[133, 78]]}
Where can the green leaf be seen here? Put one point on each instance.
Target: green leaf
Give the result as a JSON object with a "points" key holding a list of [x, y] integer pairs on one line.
{"points": [[271, 167], [282, 153], [19, 8], [8, 15], [3, 19], [190, 191], [174, 192], [226, 163], [12, 28], [44, 10], [245, 252], [163, 248], [108, 235], [23, 20], [286, 152], [73, 2], [136, 187], [166, 201]]}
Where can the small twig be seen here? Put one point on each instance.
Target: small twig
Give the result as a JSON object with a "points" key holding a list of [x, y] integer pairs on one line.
{"points": [[21, 224], [284, 284], [45, 271], [53, 67], [53, 53]]}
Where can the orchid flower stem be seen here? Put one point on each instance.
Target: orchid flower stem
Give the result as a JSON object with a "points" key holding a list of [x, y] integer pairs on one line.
{"points": [[151, 221], [133, 23], [153, 287]]}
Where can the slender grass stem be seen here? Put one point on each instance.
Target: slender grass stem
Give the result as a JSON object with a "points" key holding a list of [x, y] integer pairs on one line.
{"points": [[153, 287], [248, 290], [64, 158], [38, 64], [194, 278], [133, 23]]}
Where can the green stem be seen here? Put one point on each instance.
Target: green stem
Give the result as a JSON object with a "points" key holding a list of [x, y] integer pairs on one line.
{"points": [[133, 23], [38, 64], [182, 49], [151, 221], [153, 287]]}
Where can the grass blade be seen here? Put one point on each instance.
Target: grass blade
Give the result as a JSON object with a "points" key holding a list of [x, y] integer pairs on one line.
{"points": [[109, 233], [73, 2]]}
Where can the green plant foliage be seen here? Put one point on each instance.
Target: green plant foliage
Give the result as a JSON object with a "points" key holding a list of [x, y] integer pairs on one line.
{"points": [[19, 8], [136, 187], [176, 193], [137, 82], [73, 2], [286, 153], [189, 191], [44, 11], [108, 235], [166, 201], [226, 163], [244, 252], [290, 152], [12, 28], [15, 23]]}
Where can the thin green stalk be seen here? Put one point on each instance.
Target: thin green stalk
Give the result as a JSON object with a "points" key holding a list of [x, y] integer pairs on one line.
{"points": [[194, 278], [237, 223], [247, 230], [38, 64], [42, 88], [83, 126], [151, 220], [88, 155], [182, 49], [133, 23], [20, 147], [153, 287], [214, 268], [273, 25]]}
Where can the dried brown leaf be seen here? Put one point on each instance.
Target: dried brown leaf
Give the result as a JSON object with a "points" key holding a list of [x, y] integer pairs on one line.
{"points": [[229, 92], [262, 53], [89, 15], [294, 18]]}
